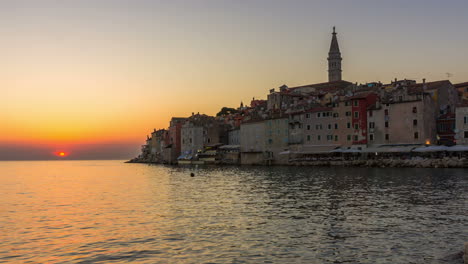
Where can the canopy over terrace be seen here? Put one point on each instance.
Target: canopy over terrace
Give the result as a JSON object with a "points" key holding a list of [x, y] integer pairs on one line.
{"points": [[391, 148], [431, 149], [316, 149], [458, 148]]}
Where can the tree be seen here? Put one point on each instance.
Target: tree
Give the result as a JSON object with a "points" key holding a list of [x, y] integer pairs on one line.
{"points": [[227, 111]]}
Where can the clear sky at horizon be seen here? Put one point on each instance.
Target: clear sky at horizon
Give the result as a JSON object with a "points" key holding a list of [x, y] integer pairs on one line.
{"points": [[95, 77]]}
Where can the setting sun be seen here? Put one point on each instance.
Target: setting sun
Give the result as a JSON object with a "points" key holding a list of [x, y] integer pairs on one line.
{"points": [[61, 154]]}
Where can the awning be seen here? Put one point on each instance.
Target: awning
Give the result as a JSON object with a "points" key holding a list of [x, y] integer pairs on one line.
{"points": [[431, 149], [316, 149], [458, 148], [390, 149], [230, 147], [346, 150]]}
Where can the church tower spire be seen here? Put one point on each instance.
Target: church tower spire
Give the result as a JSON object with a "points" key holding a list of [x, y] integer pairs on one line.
{"points": [[334, 60]]}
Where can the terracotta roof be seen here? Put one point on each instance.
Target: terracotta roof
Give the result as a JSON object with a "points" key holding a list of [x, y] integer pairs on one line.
{"points": [[417, 88], [361, 96], [325, 85], [460, 85]]}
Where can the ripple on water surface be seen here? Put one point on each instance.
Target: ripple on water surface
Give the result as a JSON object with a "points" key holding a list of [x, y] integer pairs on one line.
{"points": [[107, 211]]}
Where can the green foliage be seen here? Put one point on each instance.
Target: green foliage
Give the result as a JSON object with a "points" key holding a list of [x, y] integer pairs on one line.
{"points": [[226, 111]]}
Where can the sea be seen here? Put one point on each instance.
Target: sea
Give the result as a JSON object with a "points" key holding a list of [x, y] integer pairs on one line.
{"points": [[114, 212]]}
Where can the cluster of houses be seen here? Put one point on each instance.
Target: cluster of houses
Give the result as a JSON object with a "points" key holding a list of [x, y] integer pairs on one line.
{"points": [[332, 120]]}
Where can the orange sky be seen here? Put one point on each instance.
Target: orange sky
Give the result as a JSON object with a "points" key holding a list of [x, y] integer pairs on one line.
{"points": [[80, 74]]}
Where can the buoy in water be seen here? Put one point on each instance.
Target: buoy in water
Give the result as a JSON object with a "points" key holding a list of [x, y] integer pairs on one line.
{"points": [[192, 174]]}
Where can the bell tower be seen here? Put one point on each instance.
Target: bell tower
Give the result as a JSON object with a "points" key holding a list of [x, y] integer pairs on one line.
{"points": [[334, 60]]}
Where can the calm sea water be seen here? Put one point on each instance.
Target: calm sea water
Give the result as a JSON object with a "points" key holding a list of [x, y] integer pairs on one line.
{"points": [[111, 212]]}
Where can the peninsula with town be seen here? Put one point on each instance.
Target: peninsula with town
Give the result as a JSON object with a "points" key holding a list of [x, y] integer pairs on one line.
{"points": [[403, 123]]}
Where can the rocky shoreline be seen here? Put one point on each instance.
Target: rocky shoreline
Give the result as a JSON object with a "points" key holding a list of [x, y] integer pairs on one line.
{"points": [[392, 163], [447, 162]]}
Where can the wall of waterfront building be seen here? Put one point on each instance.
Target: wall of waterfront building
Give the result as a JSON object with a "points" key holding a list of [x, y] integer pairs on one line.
{"points": [[342, 112], [234, 137], [461, 119], [276, 140], [252, 142], [404, 122]]}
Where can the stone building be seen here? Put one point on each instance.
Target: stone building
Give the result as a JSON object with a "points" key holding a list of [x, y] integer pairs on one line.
{"points": [[175, 131], [461, 116], [252, 142], [276, 139], [462, 89], [200, 131], [359, 105], [406, 121], [234, 137], [342, 117], [443, 92]]}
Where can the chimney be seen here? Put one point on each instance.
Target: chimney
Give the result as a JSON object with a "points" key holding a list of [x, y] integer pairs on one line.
{"points": [[424, 80]]}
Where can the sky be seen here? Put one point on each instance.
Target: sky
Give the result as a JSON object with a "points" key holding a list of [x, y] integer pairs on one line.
{"points": [[93, 78]]}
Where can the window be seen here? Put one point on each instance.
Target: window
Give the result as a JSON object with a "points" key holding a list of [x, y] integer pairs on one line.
{"points": [[308, 137], [371, 137], [465, 119], [348, 125], [415, 122], [371, 125], [387, 136], [386, 112], [335, 115], [319, 137], [356, 126], [355, 138], [336, 137], [348, 137], [370, 112], [329, 126], [307, 115], [270, 141], [348, 113], [318, 114], [308, 127], [356, 103], [336, 126], [209, 140], [386, 123], [415, 110], [466, 134], [416, 135], [356, 114]]}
